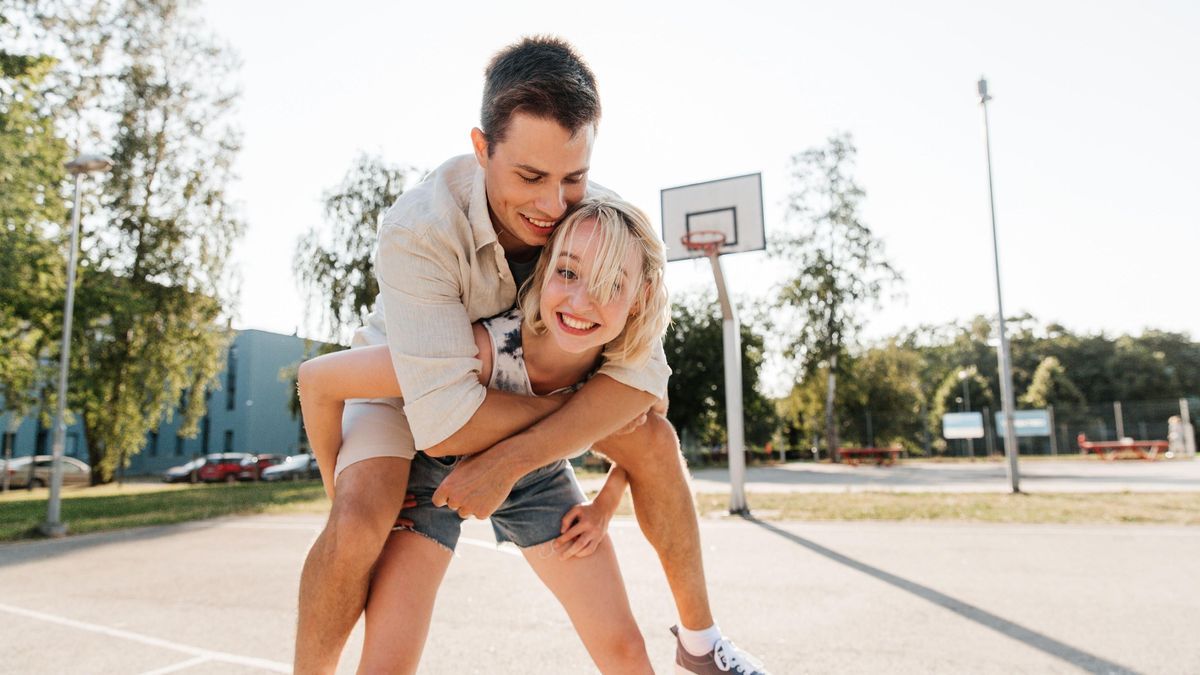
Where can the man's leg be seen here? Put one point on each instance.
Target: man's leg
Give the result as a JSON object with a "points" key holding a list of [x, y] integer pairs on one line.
{"points": [[337, 572], [662, 500]]}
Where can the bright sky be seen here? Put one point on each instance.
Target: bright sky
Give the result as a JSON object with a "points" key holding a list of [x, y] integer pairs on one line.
{"points": [[1093, 132]]}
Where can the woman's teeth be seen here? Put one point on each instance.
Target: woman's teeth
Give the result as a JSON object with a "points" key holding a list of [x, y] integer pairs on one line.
{"points": [[576, 323]]}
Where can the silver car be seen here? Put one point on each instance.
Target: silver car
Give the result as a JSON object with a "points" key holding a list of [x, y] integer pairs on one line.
{"points": [[75, 472]]}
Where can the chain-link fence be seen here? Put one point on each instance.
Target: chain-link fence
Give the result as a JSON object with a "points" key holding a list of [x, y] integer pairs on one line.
{"points": [[1108, 421]]}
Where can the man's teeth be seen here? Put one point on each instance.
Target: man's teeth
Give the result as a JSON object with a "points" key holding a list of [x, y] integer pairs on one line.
{"points": [[576, 323], [544, 224]]}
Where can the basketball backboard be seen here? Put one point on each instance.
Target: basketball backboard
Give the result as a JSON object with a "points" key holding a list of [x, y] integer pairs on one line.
{"points": [[731, 206]]}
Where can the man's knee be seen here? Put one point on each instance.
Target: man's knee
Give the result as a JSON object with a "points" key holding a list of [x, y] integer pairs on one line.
{"points": [[653, 444], [368, 499]]}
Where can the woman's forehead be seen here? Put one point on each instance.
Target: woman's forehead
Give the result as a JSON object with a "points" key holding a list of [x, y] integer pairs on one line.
{"points": [[584, 242]]}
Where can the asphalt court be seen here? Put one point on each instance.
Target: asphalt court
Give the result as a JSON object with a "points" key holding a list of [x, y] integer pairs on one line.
{"points": [[219, 597]]}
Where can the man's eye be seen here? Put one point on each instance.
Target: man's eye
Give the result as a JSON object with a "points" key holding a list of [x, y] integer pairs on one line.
{"points": [[573, 180], [529, 179]]}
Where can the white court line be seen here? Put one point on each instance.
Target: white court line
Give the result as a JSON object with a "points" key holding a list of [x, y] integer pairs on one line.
{"points": [[253, 662], [182, 665]]}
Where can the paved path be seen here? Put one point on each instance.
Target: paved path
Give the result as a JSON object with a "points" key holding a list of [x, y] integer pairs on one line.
{"points": [[219, 596]]}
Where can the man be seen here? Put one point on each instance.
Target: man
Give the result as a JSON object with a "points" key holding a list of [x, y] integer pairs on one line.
{"points": [[455, 249]]}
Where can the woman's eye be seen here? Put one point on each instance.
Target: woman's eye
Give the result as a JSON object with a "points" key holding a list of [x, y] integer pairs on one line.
{"points": [[566, 274]]}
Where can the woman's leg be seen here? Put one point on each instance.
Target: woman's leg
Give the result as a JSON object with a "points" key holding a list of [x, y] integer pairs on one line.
{"points": [[400, 603], [593, 593]]}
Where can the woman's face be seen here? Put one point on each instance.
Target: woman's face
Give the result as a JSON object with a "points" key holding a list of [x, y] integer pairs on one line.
{"points": [[576, 320]]}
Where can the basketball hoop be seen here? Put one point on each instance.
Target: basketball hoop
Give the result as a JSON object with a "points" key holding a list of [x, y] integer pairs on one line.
{"points": [[708, 242]]}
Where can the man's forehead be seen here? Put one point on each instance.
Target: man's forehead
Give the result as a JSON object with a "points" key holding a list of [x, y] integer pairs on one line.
{"points": [[543, 146]]}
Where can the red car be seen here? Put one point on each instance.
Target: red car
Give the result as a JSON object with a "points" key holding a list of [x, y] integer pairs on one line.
{"points": [[222, 467], [253, 465]]}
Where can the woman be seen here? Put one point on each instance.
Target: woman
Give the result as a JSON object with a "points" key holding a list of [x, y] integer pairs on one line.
{"points": [[597, 293]]}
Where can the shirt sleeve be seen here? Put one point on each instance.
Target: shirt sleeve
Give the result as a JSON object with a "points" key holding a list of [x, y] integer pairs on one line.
{"points": [[650, 376], [428, 333]]}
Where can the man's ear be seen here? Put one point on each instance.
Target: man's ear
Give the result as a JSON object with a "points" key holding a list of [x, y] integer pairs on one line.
{"points": [[480, 143]]}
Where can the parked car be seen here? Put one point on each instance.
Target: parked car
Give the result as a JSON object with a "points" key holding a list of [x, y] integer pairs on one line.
{"points": [[296, 467], [222, 466], [252, 466], [184, 472], [75, 472]]}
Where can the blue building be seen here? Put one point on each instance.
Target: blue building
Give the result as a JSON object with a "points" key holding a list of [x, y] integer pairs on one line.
{"points": [[247, 412]]}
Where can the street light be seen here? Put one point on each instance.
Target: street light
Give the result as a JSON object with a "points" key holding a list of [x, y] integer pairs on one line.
{"points": [[54, 527], [1006, 393], [962, 377]]}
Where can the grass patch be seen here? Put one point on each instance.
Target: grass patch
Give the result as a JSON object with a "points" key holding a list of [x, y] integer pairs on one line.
{"points": [[110, 507], [1176, 508]]}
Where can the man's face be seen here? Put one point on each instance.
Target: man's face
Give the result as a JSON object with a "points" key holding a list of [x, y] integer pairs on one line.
{"points": [[533, 176]]}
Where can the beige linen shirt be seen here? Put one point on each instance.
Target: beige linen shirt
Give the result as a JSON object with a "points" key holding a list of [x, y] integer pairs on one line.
{"points": [[440, 268]]}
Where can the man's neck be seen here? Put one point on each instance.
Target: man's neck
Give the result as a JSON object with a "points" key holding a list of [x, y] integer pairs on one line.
{"points": [[514, 249]]}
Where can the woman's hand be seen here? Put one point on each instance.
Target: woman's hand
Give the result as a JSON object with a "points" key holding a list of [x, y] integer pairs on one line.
{"points": [[409, 502], [583, 528]]}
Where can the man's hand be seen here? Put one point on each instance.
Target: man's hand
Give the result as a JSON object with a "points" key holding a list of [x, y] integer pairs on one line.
{"points": [[583, 528], [476, 487], [660, 407]]}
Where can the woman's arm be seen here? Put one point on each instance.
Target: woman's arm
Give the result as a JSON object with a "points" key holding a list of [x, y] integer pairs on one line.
{"points": [[326, 382], [584, 526]]}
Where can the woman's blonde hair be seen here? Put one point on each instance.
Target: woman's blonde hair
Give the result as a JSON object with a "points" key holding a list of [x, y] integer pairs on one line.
{"points": [[621, 227]]}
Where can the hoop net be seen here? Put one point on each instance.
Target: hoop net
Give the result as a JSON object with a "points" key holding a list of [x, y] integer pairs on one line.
{"points": [[706, 241]]}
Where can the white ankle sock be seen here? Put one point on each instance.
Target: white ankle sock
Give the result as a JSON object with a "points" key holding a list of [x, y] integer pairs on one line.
{"points": [[699, 642]]}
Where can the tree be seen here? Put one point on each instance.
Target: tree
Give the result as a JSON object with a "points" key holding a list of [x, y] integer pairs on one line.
{"points": [[152, 88], [336, 263], [695, 349], [1051, 387], [840, 265], [948, 397], [32, 210]]}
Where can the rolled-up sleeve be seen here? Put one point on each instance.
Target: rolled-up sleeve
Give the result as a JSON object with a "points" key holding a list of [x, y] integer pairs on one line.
{"points": [[428, 333], [650, 376]]}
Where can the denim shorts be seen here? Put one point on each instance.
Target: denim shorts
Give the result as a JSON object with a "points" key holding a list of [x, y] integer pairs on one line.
{"points": [[531, 515]]}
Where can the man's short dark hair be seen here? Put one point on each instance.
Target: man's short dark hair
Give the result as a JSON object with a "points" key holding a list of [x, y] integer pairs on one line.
{"points": [[541, 76]]}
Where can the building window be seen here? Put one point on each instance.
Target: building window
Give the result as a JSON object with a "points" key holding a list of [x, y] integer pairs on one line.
{"points": [[153, 444], [178, 445], [228, 440], [205, 428], [231, 379]]}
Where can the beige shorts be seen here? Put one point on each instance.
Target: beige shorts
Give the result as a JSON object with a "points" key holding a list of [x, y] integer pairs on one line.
{"points": [[373, 428]]}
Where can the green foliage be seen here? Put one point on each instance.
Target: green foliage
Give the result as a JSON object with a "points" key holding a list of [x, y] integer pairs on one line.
{"points": [[840, 266], [32, 213], [142, 81], [694, 346], [336, 263], [1051, 387]]}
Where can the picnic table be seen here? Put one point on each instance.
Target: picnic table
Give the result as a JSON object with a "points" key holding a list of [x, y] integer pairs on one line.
{"points": [[883, 456], [1147, 450]]}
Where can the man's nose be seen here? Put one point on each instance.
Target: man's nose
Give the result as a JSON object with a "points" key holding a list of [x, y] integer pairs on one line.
{"points": [[552, 201]]}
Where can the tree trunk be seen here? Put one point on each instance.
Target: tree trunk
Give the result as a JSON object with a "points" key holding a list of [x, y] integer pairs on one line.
{"points": [[831, 439]]}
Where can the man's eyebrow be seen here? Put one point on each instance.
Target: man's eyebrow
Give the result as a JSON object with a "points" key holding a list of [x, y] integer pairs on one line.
{"points": [[540, 172]]}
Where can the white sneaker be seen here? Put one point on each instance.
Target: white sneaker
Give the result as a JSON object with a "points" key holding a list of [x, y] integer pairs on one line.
{"points": [[725, 657]]}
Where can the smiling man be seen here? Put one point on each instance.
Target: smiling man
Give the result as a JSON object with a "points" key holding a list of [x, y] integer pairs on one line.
{"points": [[455, 249]]}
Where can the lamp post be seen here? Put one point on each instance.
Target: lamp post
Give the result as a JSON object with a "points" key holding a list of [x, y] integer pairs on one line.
{"points": [[962, 377], [54, 527], [1006, 393]]}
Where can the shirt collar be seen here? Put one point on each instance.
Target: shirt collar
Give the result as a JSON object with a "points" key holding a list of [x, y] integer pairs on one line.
{"points": [[478, 214]]}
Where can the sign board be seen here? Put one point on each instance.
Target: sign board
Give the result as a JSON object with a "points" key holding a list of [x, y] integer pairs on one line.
{"points": [[731, 206], [1026, 423], [962, 425]]}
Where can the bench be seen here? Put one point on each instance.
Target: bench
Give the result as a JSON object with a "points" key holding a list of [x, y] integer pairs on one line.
{"points": [[1109, 450], [882, 456]]}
